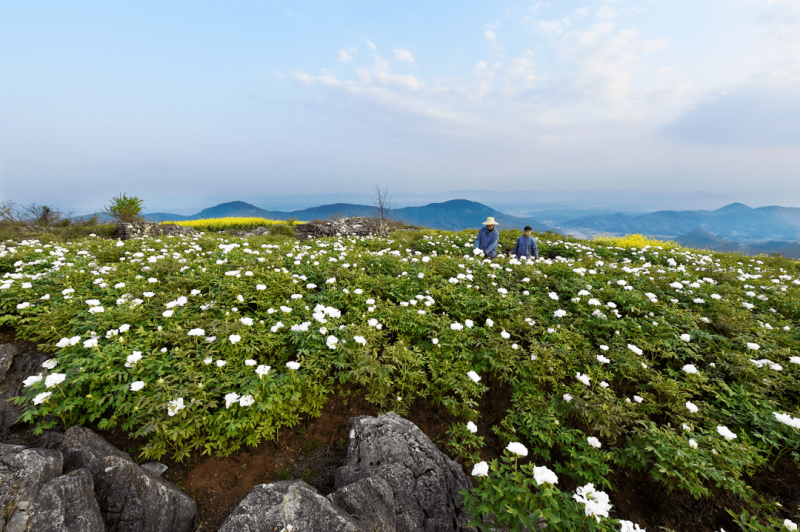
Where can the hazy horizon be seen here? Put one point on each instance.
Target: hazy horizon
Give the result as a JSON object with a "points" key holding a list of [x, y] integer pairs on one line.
{"points": [[672, 103]]}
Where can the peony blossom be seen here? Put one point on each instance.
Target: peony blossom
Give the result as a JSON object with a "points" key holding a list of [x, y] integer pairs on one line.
{"points": [[230, 399], [725, 432], [137, 385], [686, 338], [635, 349], [594, 442], [247, 400], [596, 503], [234, 338], [293, 365], [133, 358], [689, 368], [474, 376], [481, 469], [583, 378], [543, 474], [517, 448], [753, 346], [261, 371], [196, 332], [30, 381], [630, 526], [472, 427], [567, 397], [691, 407], [41, 398], [175, 406]]}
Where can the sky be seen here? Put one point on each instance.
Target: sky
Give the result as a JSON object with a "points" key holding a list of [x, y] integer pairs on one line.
{"points": [[180, 101]]}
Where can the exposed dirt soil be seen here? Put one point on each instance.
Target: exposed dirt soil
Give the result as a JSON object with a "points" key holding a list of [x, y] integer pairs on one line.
{"points": [[316, 447]]}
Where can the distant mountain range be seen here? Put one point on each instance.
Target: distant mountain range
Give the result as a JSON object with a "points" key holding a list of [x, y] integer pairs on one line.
{"points": [[736, 222], [735, 227], [453, 215]]}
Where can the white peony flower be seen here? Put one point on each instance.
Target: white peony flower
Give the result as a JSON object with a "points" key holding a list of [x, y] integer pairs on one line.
{"points": [[543, 474], [517, 448]]}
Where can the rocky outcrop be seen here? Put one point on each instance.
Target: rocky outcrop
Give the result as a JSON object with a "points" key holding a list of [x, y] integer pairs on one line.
{"points": [[102, 489], [134, 499], [66, 504], [82, 448], [16, 365], [369, 500], [394, 479], [424, 482], [127, 231], [23, 473], [289, 505], [355, 226]]}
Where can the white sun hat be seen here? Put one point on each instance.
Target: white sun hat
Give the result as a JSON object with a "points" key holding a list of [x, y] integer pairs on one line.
{"points": [[490, 221]]}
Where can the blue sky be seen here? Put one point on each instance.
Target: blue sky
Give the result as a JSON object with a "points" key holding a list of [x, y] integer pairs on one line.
{"points": [[174, 100]]}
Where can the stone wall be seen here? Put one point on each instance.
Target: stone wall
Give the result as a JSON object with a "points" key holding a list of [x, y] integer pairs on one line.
{"points": [[126, 231], [355, 226]]}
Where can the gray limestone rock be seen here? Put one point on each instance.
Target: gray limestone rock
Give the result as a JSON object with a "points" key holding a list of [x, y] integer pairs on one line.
{"points": [[369, 500], [424, 482], [18, 364], [66, 504], [23, 472], [83, 448], [133, 499], [289, 505], [7, 352]]}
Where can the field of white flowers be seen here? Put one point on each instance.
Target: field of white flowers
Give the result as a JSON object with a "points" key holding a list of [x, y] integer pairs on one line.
{"points": [[679, 364]]}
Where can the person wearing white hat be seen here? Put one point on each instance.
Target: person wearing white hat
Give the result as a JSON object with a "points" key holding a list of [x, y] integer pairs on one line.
{"points": [[488, 238]]}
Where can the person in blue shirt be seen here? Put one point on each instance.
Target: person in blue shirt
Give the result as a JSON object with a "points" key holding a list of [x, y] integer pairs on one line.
{"points": [[488, 238], [526, 245]]}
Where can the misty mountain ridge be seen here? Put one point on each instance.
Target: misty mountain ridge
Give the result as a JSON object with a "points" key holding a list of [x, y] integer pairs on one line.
{"points": [[452, 215], [733, 222]]}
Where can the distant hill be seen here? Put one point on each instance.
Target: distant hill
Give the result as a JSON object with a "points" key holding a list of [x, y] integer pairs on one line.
{"points": [[453, 215], [702, 239], [735, 222]]}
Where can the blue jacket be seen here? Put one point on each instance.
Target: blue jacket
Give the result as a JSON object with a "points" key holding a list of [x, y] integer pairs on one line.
{"points": [[487, 241], [526, 246]]}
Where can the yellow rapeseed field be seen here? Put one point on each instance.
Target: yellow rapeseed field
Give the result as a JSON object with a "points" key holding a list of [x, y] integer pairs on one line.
{"points": [[224, 224], [635, 241]]}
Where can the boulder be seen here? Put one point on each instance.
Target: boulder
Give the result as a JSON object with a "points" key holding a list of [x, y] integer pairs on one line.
{"points": [[425, 483], [23, 473], [271, 507], [82, 448], [133, 499], [371, 501], [16, 365], [66, 504]]}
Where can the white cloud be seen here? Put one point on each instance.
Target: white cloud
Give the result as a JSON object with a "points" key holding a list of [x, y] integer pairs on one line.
{"points": [[538, 5], [403, 55], [551, 26], [344, 56], [353, 49], [480, 65], [582, 11], [371, 45], [489, 34], [606, 12]]}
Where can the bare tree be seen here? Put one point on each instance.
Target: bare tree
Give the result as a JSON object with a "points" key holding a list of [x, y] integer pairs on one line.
{"points": [[9, 211], [383, 204], [46, 216]]}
